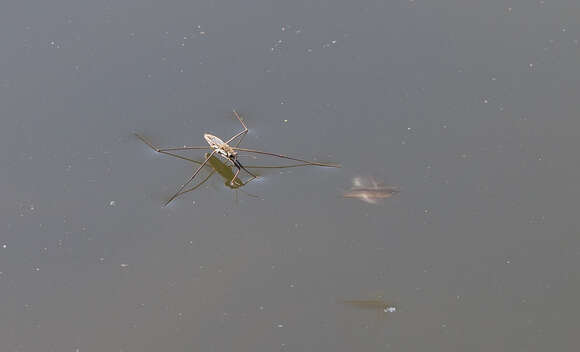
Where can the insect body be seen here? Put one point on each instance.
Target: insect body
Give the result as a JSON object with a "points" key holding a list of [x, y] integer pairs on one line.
{"points": [[220, 146]]}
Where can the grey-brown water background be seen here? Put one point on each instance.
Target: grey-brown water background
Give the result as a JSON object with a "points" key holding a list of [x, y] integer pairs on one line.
{"points": [[471, 108]]}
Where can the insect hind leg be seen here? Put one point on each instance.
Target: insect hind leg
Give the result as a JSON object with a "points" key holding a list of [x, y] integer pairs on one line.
{"points": [[240, 166]]}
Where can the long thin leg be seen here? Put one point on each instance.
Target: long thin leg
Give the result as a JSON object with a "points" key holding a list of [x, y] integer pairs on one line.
{"points": [[173, 149], [152, 146], [245, 128], [286, 157], [243, 134], [235, 175], [163, 150], [275, 167], [191, 178], [240, 133], [240, 166], [198, 185], [182, 157]]}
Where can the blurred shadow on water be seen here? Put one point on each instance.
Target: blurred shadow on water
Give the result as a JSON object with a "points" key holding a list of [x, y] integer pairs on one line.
{"points": [[369, 190]]}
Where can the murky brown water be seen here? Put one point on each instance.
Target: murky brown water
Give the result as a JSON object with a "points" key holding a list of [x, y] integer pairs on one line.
{"points": [[470, 110]]}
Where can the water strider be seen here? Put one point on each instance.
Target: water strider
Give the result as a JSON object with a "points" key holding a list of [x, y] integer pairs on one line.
{"points": [[223, 149]]}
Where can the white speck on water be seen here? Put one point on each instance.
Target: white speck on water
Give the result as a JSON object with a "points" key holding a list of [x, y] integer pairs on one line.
{"points": [[4, 245], [280, 325], [112, 203], [124, 265], [328, 45], [485, 101], [261, 307]]}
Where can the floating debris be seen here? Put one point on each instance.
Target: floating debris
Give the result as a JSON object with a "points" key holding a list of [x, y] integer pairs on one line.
{"points": [[369, 190], [372, 304]]}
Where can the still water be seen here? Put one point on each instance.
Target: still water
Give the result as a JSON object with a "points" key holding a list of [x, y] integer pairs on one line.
{"points": [[470, 109]]}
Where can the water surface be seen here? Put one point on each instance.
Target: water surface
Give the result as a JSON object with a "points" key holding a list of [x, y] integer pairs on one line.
{"points": [[470, 110]]}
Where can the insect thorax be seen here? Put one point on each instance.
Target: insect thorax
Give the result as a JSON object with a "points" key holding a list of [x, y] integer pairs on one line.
{"points": [[221, 147], [227, 151]]}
